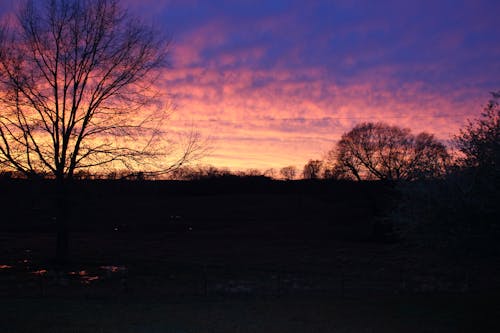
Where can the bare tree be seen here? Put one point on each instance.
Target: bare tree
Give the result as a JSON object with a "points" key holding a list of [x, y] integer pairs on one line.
{"points": [[77, 93], [270, 173], [380, 151], [288, 172], [312, 170]]}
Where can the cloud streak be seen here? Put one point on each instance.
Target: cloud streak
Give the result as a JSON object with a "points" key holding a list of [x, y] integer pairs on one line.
{"points": [[275, 83]]}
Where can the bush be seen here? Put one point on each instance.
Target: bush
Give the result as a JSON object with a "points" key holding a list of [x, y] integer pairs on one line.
{"points": [[459, 212]]}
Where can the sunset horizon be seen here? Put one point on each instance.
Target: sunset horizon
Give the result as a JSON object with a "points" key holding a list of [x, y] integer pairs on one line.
{"points": [[277, 83]]}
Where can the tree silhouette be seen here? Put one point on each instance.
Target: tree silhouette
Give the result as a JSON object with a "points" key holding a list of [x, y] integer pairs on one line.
{"points": [[288, 172], [312, 170], [380, 151], [77, 93], [478, 173], [479, 140]]}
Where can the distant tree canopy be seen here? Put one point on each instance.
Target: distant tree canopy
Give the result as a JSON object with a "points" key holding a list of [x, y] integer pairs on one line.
{"points": [[384, 152], [312, 170], [288, 172]]}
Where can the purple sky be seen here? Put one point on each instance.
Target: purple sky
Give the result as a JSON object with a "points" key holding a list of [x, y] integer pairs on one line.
{"points": [[275, 83]]}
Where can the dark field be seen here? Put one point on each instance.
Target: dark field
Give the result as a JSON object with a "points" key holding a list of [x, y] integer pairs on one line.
{"points": [[229, 256]]}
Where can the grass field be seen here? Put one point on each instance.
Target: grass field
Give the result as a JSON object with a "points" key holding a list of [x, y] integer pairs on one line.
{"points": [[165, 290], [243, 257], [436, 313]]}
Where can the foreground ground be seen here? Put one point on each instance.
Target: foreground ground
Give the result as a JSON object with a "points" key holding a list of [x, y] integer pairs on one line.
{"points": [[232, 256], [194, 282], [436, 313]]}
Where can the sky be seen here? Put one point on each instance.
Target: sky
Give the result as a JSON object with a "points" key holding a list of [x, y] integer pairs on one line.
{"points": [[276, 83]]}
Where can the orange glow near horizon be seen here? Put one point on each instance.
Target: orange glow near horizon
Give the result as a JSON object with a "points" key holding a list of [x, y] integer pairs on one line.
{"points": [[276, 83], [284, 121]]}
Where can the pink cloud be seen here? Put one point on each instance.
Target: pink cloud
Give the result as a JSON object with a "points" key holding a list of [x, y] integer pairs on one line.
{"points": [[269, 106], [289, 117]]}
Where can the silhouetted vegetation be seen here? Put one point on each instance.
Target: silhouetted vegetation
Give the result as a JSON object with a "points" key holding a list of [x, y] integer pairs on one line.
{"points": [[312, 170], [459, 214], [73, 75], [380, 151], [289, 172], [479, 141]]}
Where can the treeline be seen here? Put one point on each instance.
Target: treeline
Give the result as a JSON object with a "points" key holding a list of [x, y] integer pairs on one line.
{"points": [[446, 197], [197, 172], [378, 151]]}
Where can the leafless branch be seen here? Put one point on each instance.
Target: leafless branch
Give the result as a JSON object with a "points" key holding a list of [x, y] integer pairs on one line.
{"points": [[77, 90]]}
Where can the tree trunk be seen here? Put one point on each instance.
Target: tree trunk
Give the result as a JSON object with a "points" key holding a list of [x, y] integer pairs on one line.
{"points": [[62, 221]]}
